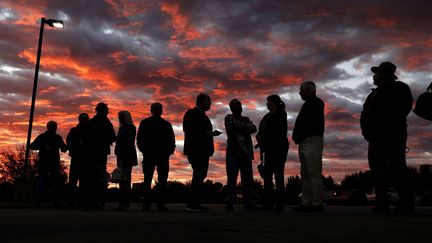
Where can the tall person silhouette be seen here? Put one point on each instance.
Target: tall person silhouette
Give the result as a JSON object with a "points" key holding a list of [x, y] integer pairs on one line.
{"points": [[198, 146], [126, 156], [100, 137], [77, 144], [49, 145], [308, 133], [384, 125], [239, 155], [156, 141], [273, 143]]}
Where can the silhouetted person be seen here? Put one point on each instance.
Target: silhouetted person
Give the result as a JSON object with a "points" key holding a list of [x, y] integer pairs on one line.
{"points": [[384, 126], [77, 144], [156, 141], [308, 133], [126, 156], [49, 145], [273, 143], [239, 155], [101, 136], [198, 146]]}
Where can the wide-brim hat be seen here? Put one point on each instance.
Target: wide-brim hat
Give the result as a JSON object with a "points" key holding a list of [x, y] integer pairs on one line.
{"points": [[386, 68]]}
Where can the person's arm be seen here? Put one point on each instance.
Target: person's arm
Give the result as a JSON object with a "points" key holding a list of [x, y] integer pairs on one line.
{"points": [[188, 122], [70, 138], [118, 141], [250, 127], [63, 146], [36, 144], [279, 126], [364, 117], [171, 142], [317, 116], [408, 100], [141, 136], [228, 122], [112, 134], [131, 135], [298, 127]]}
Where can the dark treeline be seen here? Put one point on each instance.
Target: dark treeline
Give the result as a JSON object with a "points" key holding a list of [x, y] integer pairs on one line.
{"points": [[351, 190]]}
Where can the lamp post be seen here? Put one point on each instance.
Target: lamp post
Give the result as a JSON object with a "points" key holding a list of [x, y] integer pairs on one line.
{"points": [[52, 23]]}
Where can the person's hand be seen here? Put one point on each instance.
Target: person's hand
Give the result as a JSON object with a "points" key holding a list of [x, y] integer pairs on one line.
{"points": [[216, 133]]}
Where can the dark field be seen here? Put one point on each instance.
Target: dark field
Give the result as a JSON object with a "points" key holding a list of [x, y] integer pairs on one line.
{"points": [[337, 224]]}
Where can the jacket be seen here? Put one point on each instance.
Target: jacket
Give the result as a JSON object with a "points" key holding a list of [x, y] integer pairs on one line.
{"points": [[101, 135], [198, 138], [156, 137], [310, 120], [125, 146], [385, 111], [272, 134]]}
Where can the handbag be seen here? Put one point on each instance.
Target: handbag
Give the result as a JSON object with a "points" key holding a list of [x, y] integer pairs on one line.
{"points": [[423, 107], [118, 175]]}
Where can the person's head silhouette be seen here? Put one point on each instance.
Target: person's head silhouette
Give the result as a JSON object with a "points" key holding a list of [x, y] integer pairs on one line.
{"points": [[102, 109], [307, 90], [156, 109], [236, 106], [203, 101], [275, 103], [52, 127], [125, 118], [83, 118], [384, 73]]}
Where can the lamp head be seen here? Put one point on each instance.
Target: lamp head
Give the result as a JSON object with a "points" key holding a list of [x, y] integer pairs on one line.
{"points": [[54, 23]]}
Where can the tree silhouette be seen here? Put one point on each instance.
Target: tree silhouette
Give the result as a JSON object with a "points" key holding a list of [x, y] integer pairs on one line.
{"points": [[12, 165], [360, 181], [293, 189]]}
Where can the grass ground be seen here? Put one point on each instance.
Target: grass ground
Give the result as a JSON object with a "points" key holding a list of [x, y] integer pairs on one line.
{"points": [[336, 224]]}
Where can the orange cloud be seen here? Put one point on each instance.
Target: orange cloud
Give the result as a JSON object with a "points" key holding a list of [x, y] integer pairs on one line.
{"points": [[102, 78], [184, 30]]}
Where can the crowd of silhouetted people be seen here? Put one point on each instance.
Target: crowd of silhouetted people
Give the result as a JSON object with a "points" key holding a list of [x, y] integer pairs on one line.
{"points": [[383, 124]]}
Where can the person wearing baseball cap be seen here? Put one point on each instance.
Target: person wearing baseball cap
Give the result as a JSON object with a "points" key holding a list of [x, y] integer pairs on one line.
{"points": [[384, 125]]}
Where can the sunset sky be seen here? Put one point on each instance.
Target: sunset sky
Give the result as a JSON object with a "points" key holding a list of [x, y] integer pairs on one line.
{"points": [[132, 53]]}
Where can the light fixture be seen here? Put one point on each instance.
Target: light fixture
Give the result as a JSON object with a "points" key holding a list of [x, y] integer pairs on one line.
{"points": [[53, 23]]}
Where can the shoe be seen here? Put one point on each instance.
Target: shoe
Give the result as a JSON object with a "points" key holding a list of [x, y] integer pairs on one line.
{"points": [[381, 209], [196, 208], [309, 209]]}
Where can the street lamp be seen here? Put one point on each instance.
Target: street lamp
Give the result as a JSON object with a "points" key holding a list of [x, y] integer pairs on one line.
{"points": [[52, 23]]}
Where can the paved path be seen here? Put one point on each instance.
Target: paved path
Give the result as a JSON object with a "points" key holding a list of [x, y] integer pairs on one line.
{"points": [[337, 224]]}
